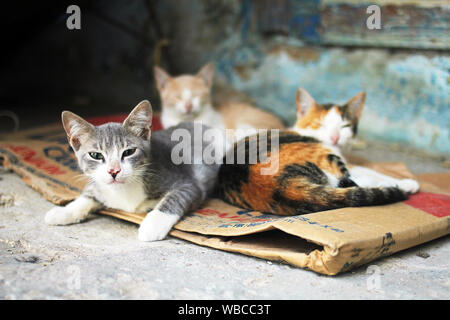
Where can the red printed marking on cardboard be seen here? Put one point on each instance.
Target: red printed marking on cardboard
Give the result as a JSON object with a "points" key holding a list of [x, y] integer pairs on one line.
{"points": [[29, 156], [436, 204]]}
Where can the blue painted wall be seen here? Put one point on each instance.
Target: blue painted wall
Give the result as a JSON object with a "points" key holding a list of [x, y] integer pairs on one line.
{"points": [[408, 95]]}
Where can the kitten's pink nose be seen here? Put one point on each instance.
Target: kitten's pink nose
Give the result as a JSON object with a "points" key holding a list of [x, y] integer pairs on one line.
{"points": [[188, 107], [335, 138], [114, 172]]}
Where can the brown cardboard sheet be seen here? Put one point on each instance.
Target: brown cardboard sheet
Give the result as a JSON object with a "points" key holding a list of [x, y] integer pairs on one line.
{"points": [[327, 242]]}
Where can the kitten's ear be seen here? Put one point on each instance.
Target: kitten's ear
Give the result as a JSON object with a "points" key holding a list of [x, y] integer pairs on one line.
{"points": [[139, 121], [356, 104], [161, 77], [207, 73], [78, 130], [304, 102]]}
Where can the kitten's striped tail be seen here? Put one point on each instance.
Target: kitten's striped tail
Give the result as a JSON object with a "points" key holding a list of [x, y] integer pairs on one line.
{"points": [[320, 198], [358, 197]]}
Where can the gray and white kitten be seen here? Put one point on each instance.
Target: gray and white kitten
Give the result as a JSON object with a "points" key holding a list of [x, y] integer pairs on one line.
{"points": [[131, 169]]}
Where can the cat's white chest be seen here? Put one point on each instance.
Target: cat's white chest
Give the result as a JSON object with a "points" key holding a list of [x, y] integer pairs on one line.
{"points": [[127, 197]]}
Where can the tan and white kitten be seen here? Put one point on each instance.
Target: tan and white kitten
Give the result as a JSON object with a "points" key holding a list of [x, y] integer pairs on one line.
{"points": [[188, 98]]}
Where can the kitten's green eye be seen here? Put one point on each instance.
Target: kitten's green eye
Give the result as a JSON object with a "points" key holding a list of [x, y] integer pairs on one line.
{"points": [[96, 155], [347, 125], [128, 152]]}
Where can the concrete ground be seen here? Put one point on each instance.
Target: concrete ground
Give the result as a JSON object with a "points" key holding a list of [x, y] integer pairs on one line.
{"points": [[102, 259]]}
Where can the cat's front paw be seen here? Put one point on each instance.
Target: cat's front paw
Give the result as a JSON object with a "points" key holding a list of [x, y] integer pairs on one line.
{"points": [[61, 216], [408, 185], [156, 225]]}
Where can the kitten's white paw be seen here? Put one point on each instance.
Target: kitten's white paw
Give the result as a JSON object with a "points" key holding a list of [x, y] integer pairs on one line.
{"points": [[61, 216], [408, 185], [156, 225]]}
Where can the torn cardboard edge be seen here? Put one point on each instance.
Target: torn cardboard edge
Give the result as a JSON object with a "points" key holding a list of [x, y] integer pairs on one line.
{"points": [[328, 242]]}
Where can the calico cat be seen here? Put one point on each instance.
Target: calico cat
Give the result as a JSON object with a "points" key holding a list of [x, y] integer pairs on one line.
{"points": [[131, 169], [312, 174], [188, 98]]}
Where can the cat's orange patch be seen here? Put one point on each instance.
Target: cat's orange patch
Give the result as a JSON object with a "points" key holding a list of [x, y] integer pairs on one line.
{"points": [[314, 118]]}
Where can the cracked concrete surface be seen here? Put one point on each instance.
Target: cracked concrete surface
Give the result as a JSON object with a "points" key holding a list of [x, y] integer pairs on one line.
{"points": [[102, 259]]}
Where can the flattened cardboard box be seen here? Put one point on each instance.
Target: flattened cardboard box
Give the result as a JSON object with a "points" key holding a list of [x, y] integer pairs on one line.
{"points": [[327, 242]]}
